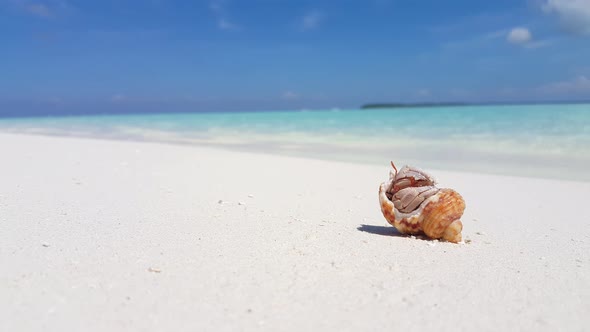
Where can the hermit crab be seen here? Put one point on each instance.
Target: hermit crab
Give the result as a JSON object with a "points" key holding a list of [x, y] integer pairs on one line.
{"points": [[411, 202]]}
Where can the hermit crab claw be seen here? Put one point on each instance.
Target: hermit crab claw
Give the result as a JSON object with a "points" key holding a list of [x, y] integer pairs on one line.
{"points": [[411, 202]]}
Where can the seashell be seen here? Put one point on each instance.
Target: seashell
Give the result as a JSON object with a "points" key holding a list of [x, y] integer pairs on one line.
{"points": [[412, 203]]}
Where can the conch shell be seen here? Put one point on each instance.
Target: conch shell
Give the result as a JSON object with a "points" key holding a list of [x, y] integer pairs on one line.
{"points": [[411, 202]]}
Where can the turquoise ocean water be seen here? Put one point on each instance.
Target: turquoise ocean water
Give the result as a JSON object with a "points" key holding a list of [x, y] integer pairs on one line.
{"points": [[528, 140]]}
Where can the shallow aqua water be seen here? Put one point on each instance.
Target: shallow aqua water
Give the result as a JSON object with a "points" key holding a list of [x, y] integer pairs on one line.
{"points": [[534, 140]]}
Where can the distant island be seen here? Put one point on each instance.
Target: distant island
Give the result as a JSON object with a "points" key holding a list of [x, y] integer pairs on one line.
{"points": [[407, 105]]}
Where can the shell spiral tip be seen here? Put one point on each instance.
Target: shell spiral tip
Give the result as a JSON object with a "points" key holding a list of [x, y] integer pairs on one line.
{"points": [[453, 232]]}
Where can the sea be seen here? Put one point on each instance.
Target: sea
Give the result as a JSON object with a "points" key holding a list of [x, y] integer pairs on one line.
{"points": [[547, 141]]}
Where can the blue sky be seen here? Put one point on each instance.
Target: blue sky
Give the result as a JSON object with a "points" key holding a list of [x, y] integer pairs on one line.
{"points": [[160, 55]]}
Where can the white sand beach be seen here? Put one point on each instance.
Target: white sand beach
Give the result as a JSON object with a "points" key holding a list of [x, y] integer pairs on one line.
{"points": [[101, 235]]}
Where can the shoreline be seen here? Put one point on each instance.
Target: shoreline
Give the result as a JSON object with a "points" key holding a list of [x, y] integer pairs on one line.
{"points": [[345, 109], [533, 167], [119, 235]]}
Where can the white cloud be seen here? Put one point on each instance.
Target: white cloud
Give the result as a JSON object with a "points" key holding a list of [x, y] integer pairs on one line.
{"points": [[311, 20], [290, 95], [519, 36], [574, 15], [524, 37]]}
